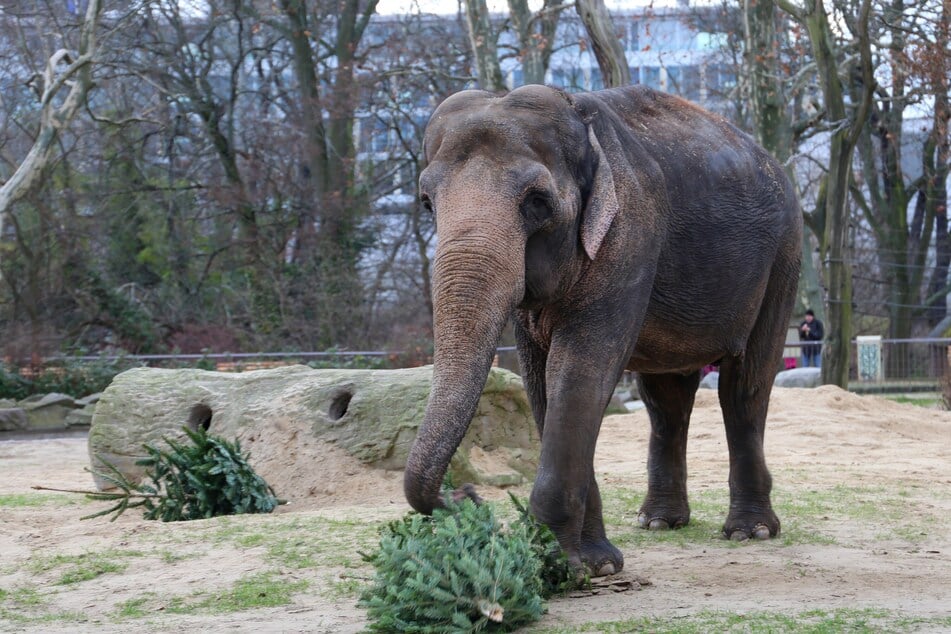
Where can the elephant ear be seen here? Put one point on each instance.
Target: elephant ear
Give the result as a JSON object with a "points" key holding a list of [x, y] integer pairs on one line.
{"points": [[602, 205]]}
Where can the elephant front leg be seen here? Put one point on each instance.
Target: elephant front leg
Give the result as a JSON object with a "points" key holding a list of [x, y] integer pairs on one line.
{"points": [[594, 549], [599, 555], [669, 400], [566, 497]]}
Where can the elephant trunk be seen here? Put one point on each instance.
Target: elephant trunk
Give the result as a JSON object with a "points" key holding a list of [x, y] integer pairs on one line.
{"points": [[477, 281]]}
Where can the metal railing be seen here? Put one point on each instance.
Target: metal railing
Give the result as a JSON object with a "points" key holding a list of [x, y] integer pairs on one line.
{"points": [[920, 363], [914, 364]]}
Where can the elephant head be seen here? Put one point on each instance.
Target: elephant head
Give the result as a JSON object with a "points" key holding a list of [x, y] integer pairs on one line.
{"points": [[523, 197]]}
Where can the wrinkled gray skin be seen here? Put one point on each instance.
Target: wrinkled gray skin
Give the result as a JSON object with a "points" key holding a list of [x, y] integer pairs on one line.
{"points": [[623, 229]]}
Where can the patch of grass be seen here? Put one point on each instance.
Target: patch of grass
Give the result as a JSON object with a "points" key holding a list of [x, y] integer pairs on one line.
{"points": [[22, 597], [808, 515], [304, 542], [24, 500], [262, 590], [25, 604], [24, 618], [85, 566], [707, 511], [806, 512], [933, 402], [345, 587], [172, 557], [132, 609], [808, 622]]}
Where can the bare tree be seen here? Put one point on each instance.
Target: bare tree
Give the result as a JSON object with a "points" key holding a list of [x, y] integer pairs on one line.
{"points": [[934, 64], [536, 36], [605, 43], [833, 213], [885, 190], [484, 41], [62, 88]]}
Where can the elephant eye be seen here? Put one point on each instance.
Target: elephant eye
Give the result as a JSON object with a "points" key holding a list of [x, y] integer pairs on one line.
{"points": [[537, 207]]}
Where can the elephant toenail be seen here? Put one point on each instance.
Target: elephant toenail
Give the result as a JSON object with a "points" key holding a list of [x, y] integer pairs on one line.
{"points": [[761, 532], [739, 536], [606, 569], [658, 524], [642, 520]]}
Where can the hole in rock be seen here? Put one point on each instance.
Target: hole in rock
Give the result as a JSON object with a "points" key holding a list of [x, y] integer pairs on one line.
{"points": [[338, 407], [200, 417]]}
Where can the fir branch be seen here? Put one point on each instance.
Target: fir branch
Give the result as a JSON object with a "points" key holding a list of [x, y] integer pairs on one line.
{"points": [[203, 478]]}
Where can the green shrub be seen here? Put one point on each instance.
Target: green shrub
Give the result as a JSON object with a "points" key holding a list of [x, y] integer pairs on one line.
{"points": [[208, 478], [461, 571], [556, 573], [12, 385], [358, 362], [75, 378], [205, 478]]}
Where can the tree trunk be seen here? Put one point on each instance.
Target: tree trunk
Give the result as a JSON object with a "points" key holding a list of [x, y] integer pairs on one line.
{"points": [[937, 163], [330, 155], [766, 91], [77, 76], [604, 42], [535, 46], [771, 123], [809, 278], [484, 44], [834, 243]]}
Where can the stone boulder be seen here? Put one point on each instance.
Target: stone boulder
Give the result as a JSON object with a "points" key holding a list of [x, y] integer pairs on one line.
{"points": [[372, 414], [711, 381], [80, 417], [799, 377], [13, 419], [89, 401], [46, 412]]}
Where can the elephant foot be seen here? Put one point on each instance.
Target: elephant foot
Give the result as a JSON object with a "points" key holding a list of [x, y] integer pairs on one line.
{"points": [[661, 515], [600, 558], [741, 526]]}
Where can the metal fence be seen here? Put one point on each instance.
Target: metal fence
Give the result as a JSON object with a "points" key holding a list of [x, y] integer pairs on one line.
{"points": [[916, 364]]}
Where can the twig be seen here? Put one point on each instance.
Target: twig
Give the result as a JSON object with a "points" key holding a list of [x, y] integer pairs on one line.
{"points": [[108, 494]]}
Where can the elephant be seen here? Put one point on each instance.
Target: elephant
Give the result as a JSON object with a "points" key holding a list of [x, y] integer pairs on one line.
{"points": [[620, 229]]}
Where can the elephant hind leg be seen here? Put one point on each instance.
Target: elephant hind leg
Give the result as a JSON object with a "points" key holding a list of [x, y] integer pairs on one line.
{"points": [[669, 399], [744, 387]]}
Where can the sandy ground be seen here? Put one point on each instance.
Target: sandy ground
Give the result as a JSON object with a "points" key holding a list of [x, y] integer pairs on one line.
{"points": [[862, 486]]}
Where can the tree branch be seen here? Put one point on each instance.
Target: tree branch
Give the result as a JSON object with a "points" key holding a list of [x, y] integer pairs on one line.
{"points": [[78, 75]]}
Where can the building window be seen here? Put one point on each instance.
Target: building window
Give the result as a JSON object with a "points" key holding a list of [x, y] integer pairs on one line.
{"points": [[632, 43], [650, 76], [684, 81]]}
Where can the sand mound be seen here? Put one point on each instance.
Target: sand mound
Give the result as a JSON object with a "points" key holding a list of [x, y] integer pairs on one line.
{"points": [[803, 425]]}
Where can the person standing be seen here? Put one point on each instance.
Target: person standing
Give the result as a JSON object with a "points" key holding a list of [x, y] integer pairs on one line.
{"points": [[810, 334]]}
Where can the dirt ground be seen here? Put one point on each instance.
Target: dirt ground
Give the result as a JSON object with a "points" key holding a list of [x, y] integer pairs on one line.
{"points": [[862, 486]]}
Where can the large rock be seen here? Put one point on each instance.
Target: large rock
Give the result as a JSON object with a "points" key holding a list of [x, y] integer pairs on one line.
{"points": [[88, 401], [13, 419], [372, 414], [80, 417], [47, 412], [799, 377], [711, 381]]}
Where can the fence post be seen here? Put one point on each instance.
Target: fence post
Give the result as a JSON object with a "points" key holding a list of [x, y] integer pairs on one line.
{"points": [[869, 349]]}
